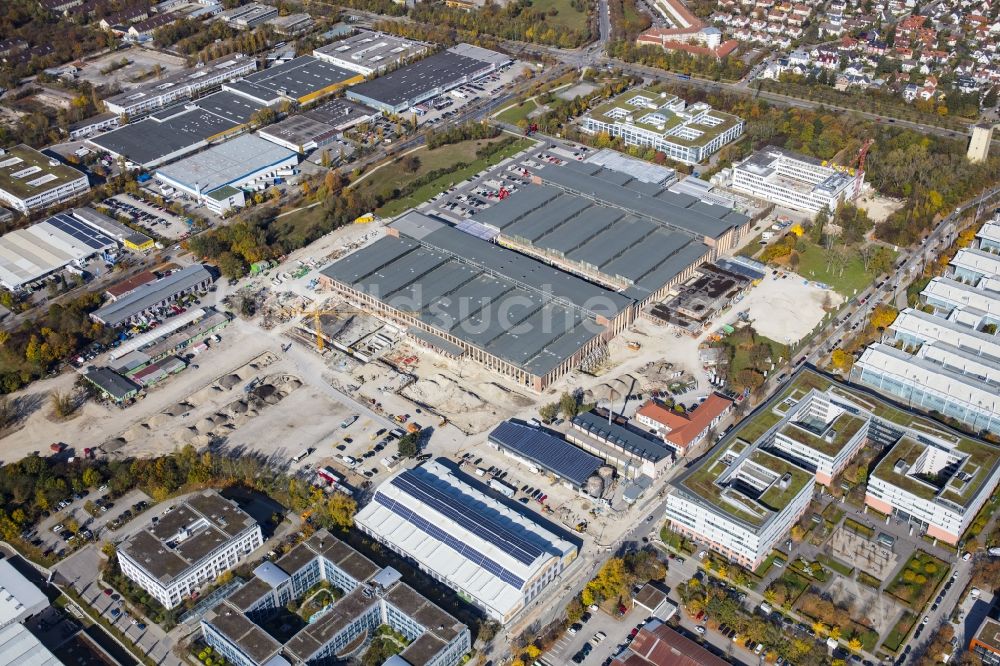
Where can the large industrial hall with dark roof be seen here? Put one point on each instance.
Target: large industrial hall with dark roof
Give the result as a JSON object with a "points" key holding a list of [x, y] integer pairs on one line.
{"points": [[535, 285], [464, 295], [635, 237]]}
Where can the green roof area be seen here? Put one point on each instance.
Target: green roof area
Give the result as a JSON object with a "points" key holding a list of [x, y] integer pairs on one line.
{"points": [[223, 192], [654, 103], [775, 497], [981, 459], [752, 429], [908, 450], [15, 161], [701, 481], [845, 427]]}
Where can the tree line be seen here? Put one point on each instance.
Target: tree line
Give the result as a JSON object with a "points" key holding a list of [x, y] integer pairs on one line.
{"points": [[458, 133], [627, 20], [517, 20], [31, 486], [929, 173], [39, 344], [259, 234], [730, 68]]}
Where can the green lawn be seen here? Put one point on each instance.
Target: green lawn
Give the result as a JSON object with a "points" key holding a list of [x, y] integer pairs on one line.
{"points": [[832, 513], [788, 587], [916, 583], [836, 565], [394, 176], [858, 528], [517, 112], [898, 634], [566, 16], [812, 265], [871, 581]]}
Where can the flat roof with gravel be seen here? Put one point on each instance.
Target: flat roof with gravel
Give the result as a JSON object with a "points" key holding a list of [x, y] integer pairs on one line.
{"points": [[225, 163], [25, 172]]}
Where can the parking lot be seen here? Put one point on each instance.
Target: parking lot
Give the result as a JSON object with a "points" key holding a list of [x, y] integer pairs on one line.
{"points": [[493, 185], [596, 638], [446, 105], [149, 638], [53, 536], [155, 219], [355, 452]]}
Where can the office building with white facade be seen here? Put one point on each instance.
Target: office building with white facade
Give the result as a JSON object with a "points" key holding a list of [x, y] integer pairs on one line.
{"points": [[744, 497], [31, 181], [947, 361], [180, 86], [988, 236], [793, 180], [493, 555], [936, 481], [372, 597], [663, 122], [193, 543]]}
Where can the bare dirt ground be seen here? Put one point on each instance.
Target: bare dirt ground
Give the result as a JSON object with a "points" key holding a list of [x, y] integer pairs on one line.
{"points": [[785, 310], [877, 206], [470, 396], [578, 90], [140, 61]]}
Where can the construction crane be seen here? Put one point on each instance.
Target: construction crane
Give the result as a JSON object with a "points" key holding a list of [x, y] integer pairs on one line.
{"points": [[860, 174], [316, 314]]}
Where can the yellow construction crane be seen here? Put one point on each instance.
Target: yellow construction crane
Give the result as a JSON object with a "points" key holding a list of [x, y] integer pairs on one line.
{"points": [[316, 314]]}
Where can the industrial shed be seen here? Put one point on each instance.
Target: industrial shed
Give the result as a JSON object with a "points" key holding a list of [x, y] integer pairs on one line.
{"points": [[553, 454]]}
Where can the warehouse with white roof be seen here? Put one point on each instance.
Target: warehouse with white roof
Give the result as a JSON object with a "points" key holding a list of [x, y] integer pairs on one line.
{"points": [[215, 176], [485, 550], [28, 255], [947, 360]]}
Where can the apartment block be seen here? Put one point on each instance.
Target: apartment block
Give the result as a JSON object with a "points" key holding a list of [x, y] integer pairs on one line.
{"points": [[936, 482], [372, 597], [743, 497], [945, 357]]}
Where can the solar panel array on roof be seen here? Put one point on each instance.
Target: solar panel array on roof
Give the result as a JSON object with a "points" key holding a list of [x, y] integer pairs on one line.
{"points": [[82, 232], [549, 452], [483, 526], [29, 254], [460, 547]]}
